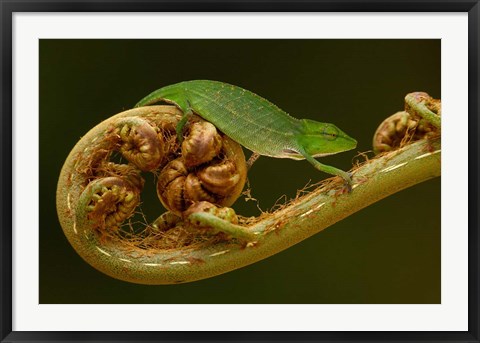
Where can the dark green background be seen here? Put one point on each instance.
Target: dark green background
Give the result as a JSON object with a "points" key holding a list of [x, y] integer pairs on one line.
{"points": [[386, 253]]}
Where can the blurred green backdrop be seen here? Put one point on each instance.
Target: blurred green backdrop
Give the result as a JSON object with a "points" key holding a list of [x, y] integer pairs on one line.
{"points": [[387, 253]]}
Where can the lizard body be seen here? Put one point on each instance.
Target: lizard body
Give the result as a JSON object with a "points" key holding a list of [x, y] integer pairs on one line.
{"points": [[254, 122]]}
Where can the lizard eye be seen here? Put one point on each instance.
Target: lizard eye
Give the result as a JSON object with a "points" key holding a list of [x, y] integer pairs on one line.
{"points": [[330, 133]]}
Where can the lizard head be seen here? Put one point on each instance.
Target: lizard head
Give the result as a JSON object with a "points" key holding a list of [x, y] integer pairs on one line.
{"points": [[321, 139]]}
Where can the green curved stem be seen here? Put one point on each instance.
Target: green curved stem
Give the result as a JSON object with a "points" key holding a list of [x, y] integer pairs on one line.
{"points": [[416, 103], [274, 232], [222, 225]]}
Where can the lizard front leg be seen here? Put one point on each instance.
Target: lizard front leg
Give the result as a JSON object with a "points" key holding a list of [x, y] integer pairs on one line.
{"points": [[187, 113], [329, 170]]}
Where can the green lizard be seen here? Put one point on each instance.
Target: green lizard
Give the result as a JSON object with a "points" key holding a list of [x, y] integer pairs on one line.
{"points": [[255, 123]]}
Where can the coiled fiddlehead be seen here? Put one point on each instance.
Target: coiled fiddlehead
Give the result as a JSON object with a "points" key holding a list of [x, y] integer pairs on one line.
{"points": [[210, 168], [196, 239], [98, 197], [416, 122], [140, 144], [108, 202]]}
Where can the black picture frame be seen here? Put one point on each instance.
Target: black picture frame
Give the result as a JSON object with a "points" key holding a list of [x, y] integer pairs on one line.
{"points": [[8, 7]]}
